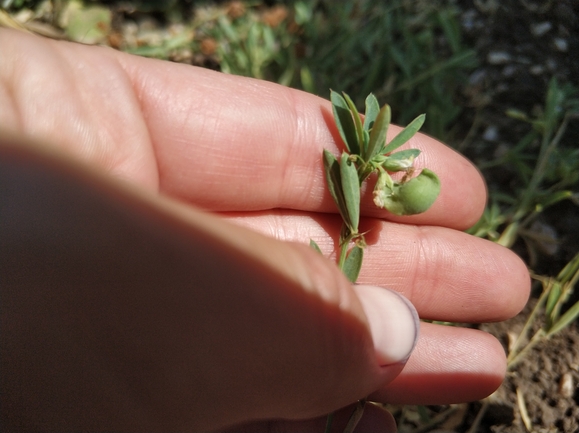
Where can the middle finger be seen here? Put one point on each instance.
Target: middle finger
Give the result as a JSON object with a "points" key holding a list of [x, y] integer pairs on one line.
{"points": [[447, 274]]}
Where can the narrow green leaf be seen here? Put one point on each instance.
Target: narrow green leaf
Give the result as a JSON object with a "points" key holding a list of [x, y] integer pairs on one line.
{"points": [[553, 109], [372, 110], [314, 246], [509, 235], [555, 197], [378, 133], [344, 122], [554, 295], [404, 154], [351, 190], [570, 272], [333, 178], [353, 263], [405, 135], [566, 319], [365, 145], [357, 123]]}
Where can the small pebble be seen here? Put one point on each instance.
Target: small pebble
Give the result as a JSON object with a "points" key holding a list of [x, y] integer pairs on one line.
{"points": [[512, 338], [468, 19], [498, 57], [491, 133], [561, 44], [551, 65], [566, 386], [537, 69], [541, 29], [477, 77], [509, 71]]}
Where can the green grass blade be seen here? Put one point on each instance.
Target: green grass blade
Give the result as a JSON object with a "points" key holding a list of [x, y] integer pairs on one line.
{"points": [[350, 190], [570, 272], [353, 264], [344, 122], [405, 135], [379, 131], [552, 300], [554, 197], [566, 319]]}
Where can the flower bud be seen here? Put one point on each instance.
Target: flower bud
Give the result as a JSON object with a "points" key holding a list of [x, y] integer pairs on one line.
{"points": [[397, 164], [383, 189], [380, 198]]}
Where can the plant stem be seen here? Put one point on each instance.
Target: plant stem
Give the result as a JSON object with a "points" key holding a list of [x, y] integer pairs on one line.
{"points": [[539, 335], [343, 252], [514, 352], [355, 417], [548, 145], [329, 420]]}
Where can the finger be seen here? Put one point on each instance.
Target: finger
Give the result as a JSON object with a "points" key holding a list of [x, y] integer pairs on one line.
{"points": [[449, 365], [127, 311], [71, 98], [221, 142], [231, 143], [447, 275]]}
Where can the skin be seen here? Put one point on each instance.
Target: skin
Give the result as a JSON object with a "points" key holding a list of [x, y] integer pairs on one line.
{"points": [[219, 320]]}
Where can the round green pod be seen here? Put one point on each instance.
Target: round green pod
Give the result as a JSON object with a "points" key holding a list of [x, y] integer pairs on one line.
{"points": [[418, 194]]}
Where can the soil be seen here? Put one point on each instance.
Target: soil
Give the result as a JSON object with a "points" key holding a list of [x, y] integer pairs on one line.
{"points": [[521, 45], [546, 381]]}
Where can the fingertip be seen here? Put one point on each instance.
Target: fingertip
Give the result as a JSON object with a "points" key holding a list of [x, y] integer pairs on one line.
{"points": [[393, 323], [512, 283], [449, 365]]}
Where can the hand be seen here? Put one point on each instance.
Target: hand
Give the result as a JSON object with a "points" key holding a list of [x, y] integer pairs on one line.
{"points": [[131, 309]]}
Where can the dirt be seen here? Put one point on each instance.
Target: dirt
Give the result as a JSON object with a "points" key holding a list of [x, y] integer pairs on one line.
{"points": [[546, 381], [522, 44]]}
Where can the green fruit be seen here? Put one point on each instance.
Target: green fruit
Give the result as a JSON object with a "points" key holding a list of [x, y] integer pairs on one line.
{"points": [[410, 198], [419, 193]]}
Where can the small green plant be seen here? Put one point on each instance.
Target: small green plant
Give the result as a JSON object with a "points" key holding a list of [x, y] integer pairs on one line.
{"points": [[546, 171], [556, 292], [368, 153], [550, 313], [407, 52], [250, 40]]}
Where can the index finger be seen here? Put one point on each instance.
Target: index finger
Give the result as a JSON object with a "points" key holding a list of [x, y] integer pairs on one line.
{"points": [[231, 143]]}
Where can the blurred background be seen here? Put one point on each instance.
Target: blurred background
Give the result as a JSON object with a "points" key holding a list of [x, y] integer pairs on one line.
{"points": [[498, 81]]}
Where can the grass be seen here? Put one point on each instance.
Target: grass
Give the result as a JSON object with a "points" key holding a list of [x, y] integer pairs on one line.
{"points": [[410, 54]]}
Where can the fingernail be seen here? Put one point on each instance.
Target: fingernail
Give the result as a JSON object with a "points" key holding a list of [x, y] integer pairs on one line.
{"points": [[393, 321]]}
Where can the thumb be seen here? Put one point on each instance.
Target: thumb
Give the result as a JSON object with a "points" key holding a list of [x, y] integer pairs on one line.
{"points": [[126, 311]]}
